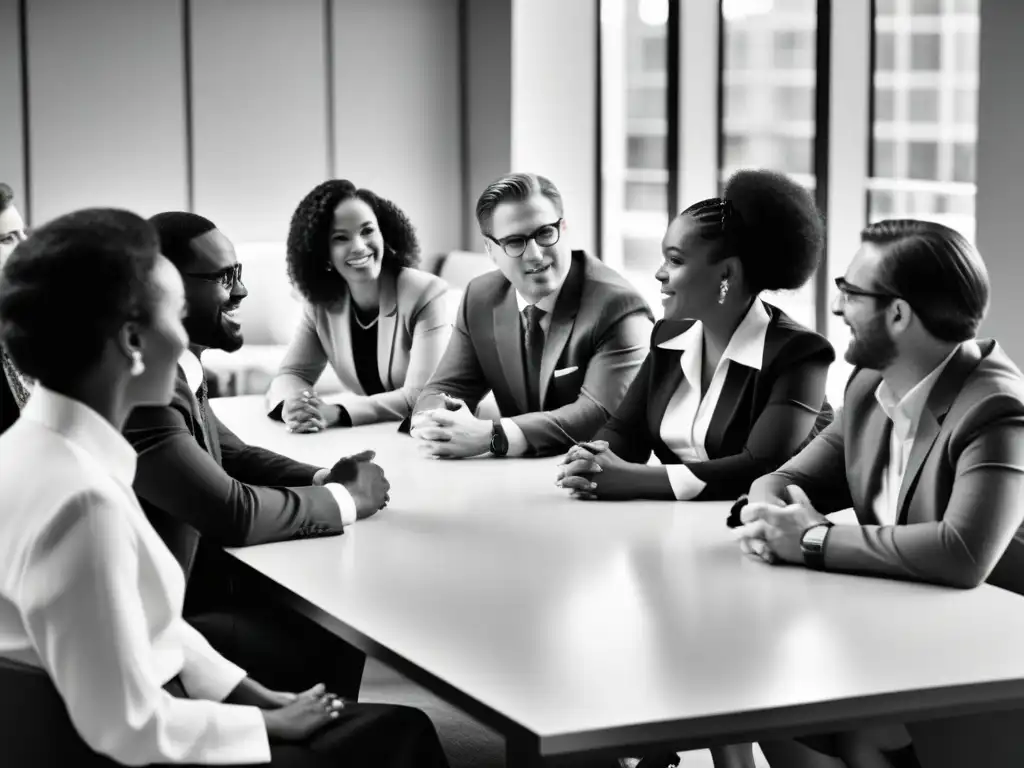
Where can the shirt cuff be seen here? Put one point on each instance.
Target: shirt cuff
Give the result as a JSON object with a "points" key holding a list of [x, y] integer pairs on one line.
{"points": [[346, 506], [240, 735], [205, 673], [685, 484], [517, 442]]}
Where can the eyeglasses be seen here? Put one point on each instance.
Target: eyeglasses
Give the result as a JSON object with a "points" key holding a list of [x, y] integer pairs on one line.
{"points": [[226, 277], [515, 246], [848, 289]]}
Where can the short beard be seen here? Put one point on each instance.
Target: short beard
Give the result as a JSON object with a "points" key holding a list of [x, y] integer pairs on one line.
{"points": [[872, 347]]}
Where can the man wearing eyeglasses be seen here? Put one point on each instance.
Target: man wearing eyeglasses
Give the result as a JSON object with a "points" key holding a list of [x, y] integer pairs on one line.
{"points": [[202, 487], [554, 333], [928, 448]]}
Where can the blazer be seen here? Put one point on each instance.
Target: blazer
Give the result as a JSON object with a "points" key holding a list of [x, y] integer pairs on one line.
{"points": [[225, 491], [762, 418], [961, 504], [598, 335], [412, 333]]}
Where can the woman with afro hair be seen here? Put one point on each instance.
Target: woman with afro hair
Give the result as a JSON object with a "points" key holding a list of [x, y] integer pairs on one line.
{"points": [[732, 387], [378, 321]]}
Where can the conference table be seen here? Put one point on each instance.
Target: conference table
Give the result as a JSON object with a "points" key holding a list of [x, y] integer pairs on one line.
{"points": [[598, 628]]}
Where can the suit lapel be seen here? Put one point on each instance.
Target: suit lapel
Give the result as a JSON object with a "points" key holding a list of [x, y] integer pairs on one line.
{"points": [[508, 339], [387, 326], [562, 321], [737, 378], [940, 400], [874, 444]]}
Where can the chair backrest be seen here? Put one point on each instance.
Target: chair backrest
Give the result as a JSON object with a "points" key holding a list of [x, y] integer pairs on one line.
{"points": [[35, 730], [459, 267]]}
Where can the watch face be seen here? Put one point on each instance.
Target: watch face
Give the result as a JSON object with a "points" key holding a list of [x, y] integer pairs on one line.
{"points": [[814, 536]]}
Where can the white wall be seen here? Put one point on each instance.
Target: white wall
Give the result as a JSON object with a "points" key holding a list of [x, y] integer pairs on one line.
{"points": [[1000, 174]]}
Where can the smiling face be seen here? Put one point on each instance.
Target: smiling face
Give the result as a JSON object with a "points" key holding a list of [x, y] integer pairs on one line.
{"points": [[357, 246], [871, 344], [12, 231], [690, 281], [541, 269], [213, 293]]}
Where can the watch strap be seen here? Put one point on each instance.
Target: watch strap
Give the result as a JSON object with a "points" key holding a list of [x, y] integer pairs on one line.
{"points": [[812, 544]]}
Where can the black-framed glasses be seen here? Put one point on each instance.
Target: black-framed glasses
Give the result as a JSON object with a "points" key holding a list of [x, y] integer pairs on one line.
{"points": [[849, 289], [226, 277], [515, 245]]}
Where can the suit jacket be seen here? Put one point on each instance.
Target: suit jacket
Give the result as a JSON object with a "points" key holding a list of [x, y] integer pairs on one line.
{"points": [[230, 493], [961, 504], [412, 333], [762, 418], [599, 333]]}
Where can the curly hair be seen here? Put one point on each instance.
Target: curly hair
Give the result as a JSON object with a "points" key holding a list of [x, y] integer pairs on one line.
{"points": [[6, 196], [309, 247], [936, 271], [770, 223], [96, 266]]}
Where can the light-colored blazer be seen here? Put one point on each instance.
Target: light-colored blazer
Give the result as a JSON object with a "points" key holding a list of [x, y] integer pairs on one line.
{"points": [[961, 504], [412, 334]]}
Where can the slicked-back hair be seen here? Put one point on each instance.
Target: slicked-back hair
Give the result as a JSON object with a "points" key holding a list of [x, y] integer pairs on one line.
{"points": [[66, 291], [309, 239], [515, 187], [936, 270], [770, 223], [6, 197]]}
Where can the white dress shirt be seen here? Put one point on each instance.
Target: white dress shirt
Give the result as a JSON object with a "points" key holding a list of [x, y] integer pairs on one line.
{"points": [[905, 416], [684, 427], [89, 593], [195, 376], [517, 442]]}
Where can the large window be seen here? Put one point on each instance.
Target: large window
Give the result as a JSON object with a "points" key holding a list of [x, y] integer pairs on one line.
{"points": [[925, 90], [768, 91], [634, 163]]}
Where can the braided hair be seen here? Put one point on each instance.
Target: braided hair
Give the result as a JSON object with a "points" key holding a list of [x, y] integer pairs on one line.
{"points": [[770, 223], [309, 247]]}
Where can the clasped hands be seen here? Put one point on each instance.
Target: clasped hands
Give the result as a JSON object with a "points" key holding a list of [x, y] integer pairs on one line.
{"points": [[774, 526], [363, 479], [451, 431], [591, 470], [305, 411]]}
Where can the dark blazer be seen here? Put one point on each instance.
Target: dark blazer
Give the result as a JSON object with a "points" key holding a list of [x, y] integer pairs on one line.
{"points": [[961, 504], [9, 410], [762, 418], [598, 336], [230, 493], [412, 332]]}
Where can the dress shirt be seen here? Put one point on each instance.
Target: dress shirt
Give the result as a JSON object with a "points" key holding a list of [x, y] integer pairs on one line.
{"points": [[684, 426], [90, 593], [905, 416], [517, 443], [195, 376]]}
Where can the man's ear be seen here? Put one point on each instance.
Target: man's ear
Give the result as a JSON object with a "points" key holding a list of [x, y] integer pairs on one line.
{"points": [[900, 315], [490, 253]]}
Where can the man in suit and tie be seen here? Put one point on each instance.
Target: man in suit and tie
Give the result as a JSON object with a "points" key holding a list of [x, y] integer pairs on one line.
{"points": [[14, 388], [201, 486], [929, 446], [554, 333]]}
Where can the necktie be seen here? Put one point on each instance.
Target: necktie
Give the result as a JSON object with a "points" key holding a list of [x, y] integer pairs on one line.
{"points": [[19, 387], [533, 351], [202, 399]]}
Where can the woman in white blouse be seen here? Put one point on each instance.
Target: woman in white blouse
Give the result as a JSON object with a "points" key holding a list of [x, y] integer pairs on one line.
{"points": [[732, 387], [89, 594]]}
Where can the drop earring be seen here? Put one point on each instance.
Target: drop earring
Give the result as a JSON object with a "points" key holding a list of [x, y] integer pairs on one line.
{"points": [[723, 291], [138, 367]]}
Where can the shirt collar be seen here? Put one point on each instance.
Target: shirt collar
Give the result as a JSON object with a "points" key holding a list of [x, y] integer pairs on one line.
{"points": [[906, 413], [746, 346], [547, 303], [193, 369], [81, 425]]}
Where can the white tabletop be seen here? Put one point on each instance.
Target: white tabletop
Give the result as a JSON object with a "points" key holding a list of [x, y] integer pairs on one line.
{"points": [[593, 624]]}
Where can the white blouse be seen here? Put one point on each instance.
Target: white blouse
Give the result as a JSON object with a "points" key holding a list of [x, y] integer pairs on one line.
{"points": [[684, 427], [89, 592]]}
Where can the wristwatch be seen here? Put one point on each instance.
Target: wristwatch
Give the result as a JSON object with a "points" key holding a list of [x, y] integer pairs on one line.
{"points": [[499, 440], [812, 545]]}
